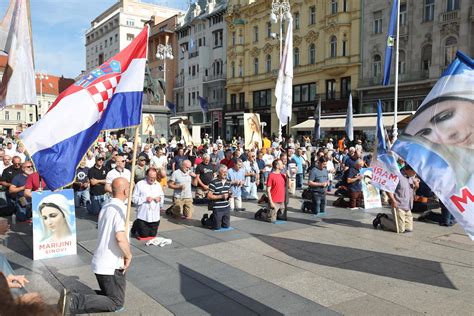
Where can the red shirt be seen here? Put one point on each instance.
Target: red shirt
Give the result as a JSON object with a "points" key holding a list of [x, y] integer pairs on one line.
{"points": [[228, 162], [276, 182], [33, 182], [198, 161]]}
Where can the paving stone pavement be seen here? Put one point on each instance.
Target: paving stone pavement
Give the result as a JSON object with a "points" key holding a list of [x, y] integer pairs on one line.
{"points": [[331, 265]]}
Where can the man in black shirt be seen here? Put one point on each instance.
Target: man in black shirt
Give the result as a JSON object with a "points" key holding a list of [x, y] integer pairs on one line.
{"points": [[205, 172], [7, 178], [219, 194], [97, 175]]}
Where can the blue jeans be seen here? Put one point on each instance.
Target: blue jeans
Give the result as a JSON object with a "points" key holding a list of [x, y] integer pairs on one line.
{"points": [[299, 180], [319, 203], [22, 213], [96, 202], [82, 197], [250, 192]]}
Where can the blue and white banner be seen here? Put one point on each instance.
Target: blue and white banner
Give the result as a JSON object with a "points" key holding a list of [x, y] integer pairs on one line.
{"points": [[370, 192], [349, 125], [439, 141], [390, 42]]}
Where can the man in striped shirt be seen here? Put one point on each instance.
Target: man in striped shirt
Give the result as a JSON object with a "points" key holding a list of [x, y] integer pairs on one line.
{"points": [[219, 194]]}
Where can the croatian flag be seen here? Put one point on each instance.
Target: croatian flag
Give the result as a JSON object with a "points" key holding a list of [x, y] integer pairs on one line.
{"points": [[204, 104], [439, 141], [109, 97], [390, 43]]}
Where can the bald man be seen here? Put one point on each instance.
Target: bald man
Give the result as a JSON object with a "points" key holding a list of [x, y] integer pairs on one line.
{"points": [[111, 259]]}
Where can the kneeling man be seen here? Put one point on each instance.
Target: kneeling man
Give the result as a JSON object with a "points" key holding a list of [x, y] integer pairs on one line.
{"points": [[219, 194]]}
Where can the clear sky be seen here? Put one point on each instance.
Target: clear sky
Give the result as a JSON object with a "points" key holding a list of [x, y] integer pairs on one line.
{"points": [[59, 27]]}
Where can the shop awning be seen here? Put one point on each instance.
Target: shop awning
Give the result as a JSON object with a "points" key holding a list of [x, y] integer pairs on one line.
{"points": [[339, 123]]}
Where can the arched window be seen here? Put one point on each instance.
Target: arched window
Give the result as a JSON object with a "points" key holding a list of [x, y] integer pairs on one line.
{"points": [[255, 66], [241, 69], [426, 57], [401, 62], [376, 66], [333, 42], [296, 57], [312, 54], [268, 63], [450, 48], [232, 69]]}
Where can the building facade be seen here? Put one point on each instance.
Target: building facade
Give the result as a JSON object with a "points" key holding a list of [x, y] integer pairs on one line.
{"points": [[431, 31], [117, 26], [326, 40], [201, 68]]}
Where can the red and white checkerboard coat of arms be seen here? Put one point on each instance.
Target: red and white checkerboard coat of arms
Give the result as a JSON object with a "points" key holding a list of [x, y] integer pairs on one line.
{"points": [[102, 92]]}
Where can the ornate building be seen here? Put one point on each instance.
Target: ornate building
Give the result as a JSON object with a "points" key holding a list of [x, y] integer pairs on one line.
{"points": [[431, 31], [326, 59]]}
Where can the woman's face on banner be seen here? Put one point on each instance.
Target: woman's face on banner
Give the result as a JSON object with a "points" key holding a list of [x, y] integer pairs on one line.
{"points": [[52, 218], [252, 125], [449, 122]]}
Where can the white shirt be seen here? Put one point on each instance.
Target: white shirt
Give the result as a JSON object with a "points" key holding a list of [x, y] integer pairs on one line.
{"points": [[330, 145], [108, 256], [248, 167], [90, 162], [114, 173], [148, 212], [159, 162], [268, 159], [10, 152]]}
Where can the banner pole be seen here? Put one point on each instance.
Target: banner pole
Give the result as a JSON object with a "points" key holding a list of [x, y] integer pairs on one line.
{"points": [[395, 113], [134, 160]]}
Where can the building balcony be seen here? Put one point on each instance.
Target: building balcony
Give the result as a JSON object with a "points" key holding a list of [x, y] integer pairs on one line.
{"points": [[217, 104], [450, 16], [194, 54], [179, 82], [210, 78], [236, 107], [402, 78]]}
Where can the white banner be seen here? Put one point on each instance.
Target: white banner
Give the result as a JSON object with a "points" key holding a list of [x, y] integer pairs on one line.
{"points": [[370, 191], [383, 178], [54, 224]]}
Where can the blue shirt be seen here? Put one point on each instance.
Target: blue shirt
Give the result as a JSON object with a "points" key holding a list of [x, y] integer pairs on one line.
{"points": [[299, 162], [233, 175], [354, 186]]}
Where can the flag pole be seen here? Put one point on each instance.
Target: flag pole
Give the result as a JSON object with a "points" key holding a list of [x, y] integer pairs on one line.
{"points": [[132, 177], [395, 113]]}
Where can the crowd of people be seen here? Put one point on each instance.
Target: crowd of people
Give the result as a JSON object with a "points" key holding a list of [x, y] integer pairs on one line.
{"points": [[218, 174]]}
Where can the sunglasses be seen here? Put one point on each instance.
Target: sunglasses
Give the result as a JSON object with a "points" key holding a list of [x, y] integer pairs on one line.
{"points": [[28, 166]]}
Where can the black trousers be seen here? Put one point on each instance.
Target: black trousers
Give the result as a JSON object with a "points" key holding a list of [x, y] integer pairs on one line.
{"points": [[219, 219], [144, 229], [110, 298]]}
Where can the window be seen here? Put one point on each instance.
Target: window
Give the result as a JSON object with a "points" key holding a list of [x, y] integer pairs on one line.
{"points": [[130, 37], [403, 14], [241, 38], [333, 6], [241, 69], [232, 69], [344, 47], [401, 62], [297, 20], [18, 116], [428, 13], [218, 38], [242, 98], [312, 54], [269, 29], [426, 58], [255, 66], [376, 66], [304, 93], [193, 70], [116, 38], [255, 33], [330, 89], [378, 22], [268, 63], [7, 115], [233, 38], [345, 87], [105, 43], [312, 15], [450, 48], [233, 100], [262, 98], [296, 57], [31, 117], [333, 46], [344, 5], [452, 5], [130, 22]]}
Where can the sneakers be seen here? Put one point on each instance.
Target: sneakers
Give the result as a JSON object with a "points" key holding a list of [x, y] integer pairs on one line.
{"points": [[64, 302], [204, 219], [377, 222], [353, 208]]}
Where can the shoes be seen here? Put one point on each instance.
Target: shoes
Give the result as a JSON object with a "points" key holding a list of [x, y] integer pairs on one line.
{"points": [[64, 302], [353, 208], [376, 222], [421, 218], [204, 219], [321, 214]]}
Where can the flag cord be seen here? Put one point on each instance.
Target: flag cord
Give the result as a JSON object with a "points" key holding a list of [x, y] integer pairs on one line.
{"points": [[395, 101], [132, 177]]}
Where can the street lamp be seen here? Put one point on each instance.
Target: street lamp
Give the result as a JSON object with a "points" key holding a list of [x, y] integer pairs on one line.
{"points": [[280, 10], [164, 52], [41, 75]]}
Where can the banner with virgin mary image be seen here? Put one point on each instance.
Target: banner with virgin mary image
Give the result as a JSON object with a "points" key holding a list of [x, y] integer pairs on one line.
{"points": [[369, 190], [54, 224], [439, 141], [252, 131]]}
